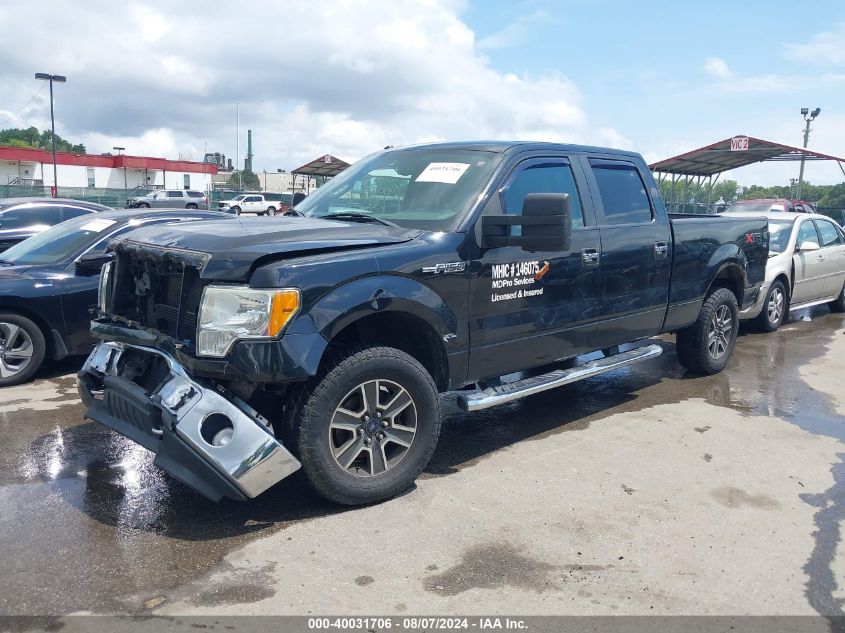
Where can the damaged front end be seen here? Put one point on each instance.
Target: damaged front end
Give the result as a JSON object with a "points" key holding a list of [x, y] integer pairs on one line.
{"points": [[203, 436]]}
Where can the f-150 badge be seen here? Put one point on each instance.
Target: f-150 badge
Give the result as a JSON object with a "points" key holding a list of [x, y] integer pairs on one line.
{"points": [[449, 267]]}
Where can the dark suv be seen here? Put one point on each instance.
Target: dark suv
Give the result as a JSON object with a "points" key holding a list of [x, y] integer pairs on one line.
{"points": [[21, 218]]}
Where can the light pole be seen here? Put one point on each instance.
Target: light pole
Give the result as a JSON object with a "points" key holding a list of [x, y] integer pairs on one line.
{"points": [[58, 79], [808, 117], [118, 150]]}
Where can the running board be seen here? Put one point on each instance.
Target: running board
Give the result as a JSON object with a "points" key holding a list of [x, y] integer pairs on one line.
{"points": [[493, 396]]}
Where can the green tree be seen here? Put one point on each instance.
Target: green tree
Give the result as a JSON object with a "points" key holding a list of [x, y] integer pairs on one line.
{"points": [[32, 137], [249, 181]]}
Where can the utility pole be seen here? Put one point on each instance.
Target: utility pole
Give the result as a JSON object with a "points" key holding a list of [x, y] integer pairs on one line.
{"points": [[238, 143], [58, 79], [808, 117]]}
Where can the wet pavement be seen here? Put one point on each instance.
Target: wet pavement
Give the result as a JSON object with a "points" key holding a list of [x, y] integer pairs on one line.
{"points": [[644, 490]]}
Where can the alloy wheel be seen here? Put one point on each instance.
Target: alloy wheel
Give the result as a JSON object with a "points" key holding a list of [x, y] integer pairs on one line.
{"points": [[373, 428], [719, 335], [16, 349], [774, 308]]}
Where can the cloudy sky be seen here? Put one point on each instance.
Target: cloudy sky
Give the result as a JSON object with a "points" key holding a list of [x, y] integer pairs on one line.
{"points": [[349, 77]]}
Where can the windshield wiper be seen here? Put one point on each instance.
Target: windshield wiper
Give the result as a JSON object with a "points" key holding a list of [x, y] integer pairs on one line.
{"points": [[355, 216]]}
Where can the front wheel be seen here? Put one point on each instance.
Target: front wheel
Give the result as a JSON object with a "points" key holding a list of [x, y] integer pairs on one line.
{"points": [[838, 304], [236, 210], [774, 308], [143, 205], [367, 426], [706, 346], [22, 349]]}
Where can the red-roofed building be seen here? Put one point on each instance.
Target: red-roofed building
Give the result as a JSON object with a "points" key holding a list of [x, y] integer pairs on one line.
{"points": [[35, 166]]}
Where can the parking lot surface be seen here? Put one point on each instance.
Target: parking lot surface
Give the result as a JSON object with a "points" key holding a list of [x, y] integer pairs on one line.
{"points": [[643, 491]]}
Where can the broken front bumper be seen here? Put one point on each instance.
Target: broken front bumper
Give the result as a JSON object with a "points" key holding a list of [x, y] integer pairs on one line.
{"points": [[220, 446]]}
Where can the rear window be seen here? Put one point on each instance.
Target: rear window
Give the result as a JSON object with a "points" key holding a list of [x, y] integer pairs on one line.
{"points": [[195, 194], [623, 192]]}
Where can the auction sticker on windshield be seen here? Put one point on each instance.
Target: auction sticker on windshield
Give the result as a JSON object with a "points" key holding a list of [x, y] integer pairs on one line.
{"points": [[448, 173]]}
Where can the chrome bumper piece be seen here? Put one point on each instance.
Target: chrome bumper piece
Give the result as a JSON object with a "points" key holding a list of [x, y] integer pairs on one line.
{"points": [[251, 459]]}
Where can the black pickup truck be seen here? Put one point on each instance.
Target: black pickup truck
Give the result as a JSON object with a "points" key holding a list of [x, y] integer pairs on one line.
{"points": [[240, 351]]}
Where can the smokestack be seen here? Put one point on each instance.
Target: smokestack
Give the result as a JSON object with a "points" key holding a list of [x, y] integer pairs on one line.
{"points": [[248, 161]]}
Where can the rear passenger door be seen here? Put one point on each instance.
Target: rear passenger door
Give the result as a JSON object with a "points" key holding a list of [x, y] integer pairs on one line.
{"points": [[532, 308], [174, 199], [636, 251]]}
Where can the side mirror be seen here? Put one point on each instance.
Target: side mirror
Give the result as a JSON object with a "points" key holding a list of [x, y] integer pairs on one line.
{"points": [[91, 263], [805, 247], [546, 223]]}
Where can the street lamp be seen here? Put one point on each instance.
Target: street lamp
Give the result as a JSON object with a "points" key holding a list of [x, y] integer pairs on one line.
{"points": [[118, 150], [58, 79], [808, 117]]}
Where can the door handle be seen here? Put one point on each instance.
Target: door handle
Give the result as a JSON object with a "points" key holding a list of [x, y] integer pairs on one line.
{"points": [[661, 249], [590, 257]]}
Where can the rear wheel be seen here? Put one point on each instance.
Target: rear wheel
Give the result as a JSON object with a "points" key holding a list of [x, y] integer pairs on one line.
{"points": [[271, 211], [191, 206], [838, 304], [367, 426], [22, 349], [706, 346], [774, 308]]}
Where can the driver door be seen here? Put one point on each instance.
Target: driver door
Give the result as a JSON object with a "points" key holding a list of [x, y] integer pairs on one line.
{"points": [[533, 308]]}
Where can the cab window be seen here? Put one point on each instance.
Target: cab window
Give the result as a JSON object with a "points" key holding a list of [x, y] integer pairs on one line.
{"points": [[543, 178], [623, 192]]}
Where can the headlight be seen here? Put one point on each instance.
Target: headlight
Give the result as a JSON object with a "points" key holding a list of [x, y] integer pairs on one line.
{"points": [[104, 287], [229, 313]]}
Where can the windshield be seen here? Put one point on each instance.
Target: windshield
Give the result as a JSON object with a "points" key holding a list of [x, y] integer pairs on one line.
{"points": [[414, 188], [779, 233], [238, 198], [55, 244]]}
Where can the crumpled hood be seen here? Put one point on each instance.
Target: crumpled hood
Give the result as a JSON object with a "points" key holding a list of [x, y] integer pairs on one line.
{"points": [[229, 247]]}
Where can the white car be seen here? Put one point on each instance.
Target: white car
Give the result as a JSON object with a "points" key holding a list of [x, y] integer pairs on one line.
{"points": [[249, 203], [806, 267]]}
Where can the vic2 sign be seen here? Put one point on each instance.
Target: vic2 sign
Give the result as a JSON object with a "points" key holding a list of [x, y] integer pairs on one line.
{"points": [[739, 144]]}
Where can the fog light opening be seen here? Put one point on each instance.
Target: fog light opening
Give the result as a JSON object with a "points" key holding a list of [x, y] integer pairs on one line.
{"points": [[217, 429]]}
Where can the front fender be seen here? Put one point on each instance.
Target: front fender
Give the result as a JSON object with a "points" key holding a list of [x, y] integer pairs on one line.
{"points": [[379, 294]]}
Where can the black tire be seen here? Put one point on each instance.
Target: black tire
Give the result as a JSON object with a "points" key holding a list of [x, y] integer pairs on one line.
{"points": [[697, 350], [236, 210], [775, 308], [143, 205], [191, 206], [838, 304], [316, 439], [271, 211], [19, 368]]}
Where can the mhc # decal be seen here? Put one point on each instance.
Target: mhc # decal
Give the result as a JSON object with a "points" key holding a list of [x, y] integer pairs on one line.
{"points": [[523, 277]]}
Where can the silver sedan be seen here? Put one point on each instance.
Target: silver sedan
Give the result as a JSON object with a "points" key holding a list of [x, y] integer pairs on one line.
{"points": [[806, 267]]}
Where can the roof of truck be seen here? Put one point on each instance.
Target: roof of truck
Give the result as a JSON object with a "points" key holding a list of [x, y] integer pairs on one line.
{"points": [[522, 146]]}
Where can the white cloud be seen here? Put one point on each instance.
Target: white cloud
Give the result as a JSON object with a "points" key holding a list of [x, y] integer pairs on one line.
{"points": [[823, 48], [717, 67], [515, 32], [343, 77]]}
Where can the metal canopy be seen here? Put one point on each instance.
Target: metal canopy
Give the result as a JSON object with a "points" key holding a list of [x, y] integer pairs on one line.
{"points": [[327, 166], [734, 152]]}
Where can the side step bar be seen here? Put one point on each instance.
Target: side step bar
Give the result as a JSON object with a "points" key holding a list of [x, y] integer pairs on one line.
{"points": [[493, 396]]}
